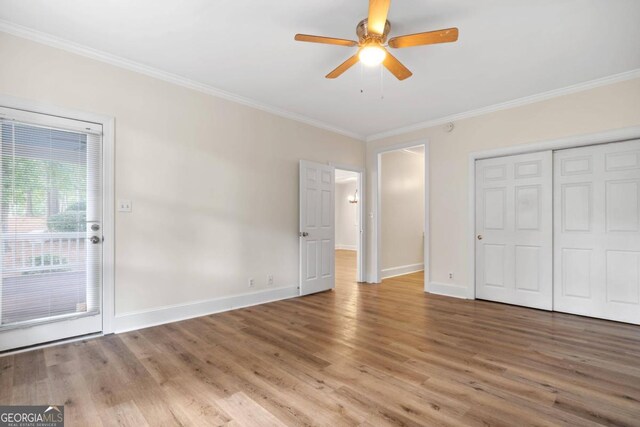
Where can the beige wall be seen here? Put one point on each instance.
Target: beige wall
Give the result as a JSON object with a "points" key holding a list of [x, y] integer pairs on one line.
{"points": [[214, 184], [402, 216], [346, 216], [595, 110]]}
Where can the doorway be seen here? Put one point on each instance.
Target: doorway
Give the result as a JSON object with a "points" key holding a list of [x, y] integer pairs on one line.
{"points": [[52, 219], [402, 219], [318, 225], [348, 230]]}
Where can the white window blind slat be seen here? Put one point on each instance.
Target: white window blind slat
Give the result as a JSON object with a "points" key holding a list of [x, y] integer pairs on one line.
{"points": [[51, 181]]}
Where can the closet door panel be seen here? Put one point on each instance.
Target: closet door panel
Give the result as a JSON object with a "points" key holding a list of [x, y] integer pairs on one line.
{"points": [[514, 230], [597, 231]]}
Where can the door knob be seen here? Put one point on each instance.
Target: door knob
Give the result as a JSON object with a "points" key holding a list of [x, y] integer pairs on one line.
{"points": [[303, 234], [479, 236], [94, 239]]}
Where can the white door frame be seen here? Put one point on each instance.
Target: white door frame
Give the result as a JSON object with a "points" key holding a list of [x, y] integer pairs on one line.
{"points": [[615, 135], [360, 241], [108, 175], [376, 207]]}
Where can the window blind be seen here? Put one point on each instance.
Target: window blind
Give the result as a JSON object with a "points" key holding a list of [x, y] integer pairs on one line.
{"points": [[50, 209]]}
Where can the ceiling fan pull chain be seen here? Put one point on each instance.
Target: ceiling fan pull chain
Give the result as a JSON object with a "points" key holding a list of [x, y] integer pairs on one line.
{"points": [[361, 78], [381, 83]]}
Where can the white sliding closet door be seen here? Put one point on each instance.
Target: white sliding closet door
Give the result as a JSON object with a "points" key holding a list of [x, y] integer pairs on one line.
{"points": [[514, 230], [597, 231]]}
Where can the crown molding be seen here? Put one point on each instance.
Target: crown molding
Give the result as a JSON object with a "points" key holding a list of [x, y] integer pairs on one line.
{"points": [[69, 46], [47, 39], [628, 75]]}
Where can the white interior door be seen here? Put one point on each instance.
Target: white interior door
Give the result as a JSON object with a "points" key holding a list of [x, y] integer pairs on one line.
{"points": [[597, 231], [50, 228], [317, 227], [514, 230]]}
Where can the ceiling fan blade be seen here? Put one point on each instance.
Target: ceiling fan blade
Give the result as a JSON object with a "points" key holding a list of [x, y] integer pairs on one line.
{"points": [[343, 67], [325, 40], [431, 37], [397, 69], [378, 11]]}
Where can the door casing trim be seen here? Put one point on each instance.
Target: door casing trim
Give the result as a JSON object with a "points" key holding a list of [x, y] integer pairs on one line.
{"points": [[108, 177]]}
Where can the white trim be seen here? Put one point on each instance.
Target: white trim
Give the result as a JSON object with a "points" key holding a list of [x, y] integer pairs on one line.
{"points": [[108, 219], [25, 116], [427, 221], [108, 225], [36, 106], [401, 270], [174, 313], [346, 248], [69, 46], [377, 209], [471, 221], [52, 343], [614, 135], [615, 78], [360, 240], [59, 330], [448, 289]]}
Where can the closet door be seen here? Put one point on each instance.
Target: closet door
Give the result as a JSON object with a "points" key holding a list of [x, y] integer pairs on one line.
{"points": [[514, 230], [597, 231]]}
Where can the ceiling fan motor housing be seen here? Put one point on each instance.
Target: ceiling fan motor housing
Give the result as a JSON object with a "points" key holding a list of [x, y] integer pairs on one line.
{"points": [[362, 30]]}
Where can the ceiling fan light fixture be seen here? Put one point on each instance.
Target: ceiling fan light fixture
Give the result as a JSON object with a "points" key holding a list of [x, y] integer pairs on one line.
{"points": [[372, 35], [372, 55]]}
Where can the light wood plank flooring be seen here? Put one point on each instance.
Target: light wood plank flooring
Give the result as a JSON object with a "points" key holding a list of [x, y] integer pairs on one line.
{"points": [[360, 355]]}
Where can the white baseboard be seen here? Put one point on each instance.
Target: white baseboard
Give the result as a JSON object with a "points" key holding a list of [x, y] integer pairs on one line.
{"points": [[402, 270], [346, 247], [173, 313], [448, 289]]}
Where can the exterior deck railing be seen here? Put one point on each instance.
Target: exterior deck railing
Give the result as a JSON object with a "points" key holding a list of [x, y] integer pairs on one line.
{"points": [[42, 252]]}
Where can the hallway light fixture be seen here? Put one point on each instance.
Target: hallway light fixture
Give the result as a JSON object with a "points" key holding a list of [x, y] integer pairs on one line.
{"points": [[354, 198]]}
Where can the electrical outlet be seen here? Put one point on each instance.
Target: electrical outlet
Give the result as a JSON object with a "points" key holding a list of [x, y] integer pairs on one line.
{"points": [[251, 282], [450, 275], [270, 280], [124, 205]]}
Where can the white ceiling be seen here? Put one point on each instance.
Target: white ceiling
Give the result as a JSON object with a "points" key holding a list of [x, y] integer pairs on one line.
{"points": [[508, 49]]}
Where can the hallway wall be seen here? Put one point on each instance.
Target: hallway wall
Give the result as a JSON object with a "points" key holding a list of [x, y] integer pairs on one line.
{"points": [[346, 216], [402, 198]]}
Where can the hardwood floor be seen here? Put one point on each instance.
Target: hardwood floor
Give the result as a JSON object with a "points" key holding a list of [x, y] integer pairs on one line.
{"points": [[360, 355]]}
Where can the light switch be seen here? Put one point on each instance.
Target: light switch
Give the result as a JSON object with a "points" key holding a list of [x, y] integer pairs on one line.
{"points": [[124, 205]]}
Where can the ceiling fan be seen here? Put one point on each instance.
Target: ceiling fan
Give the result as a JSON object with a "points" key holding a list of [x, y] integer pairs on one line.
{"points": [[372, 35]]}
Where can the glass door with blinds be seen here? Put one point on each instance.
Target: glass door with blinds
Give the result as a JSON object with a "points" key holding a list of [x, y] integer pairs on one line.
{"points": [[51, 228]]}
